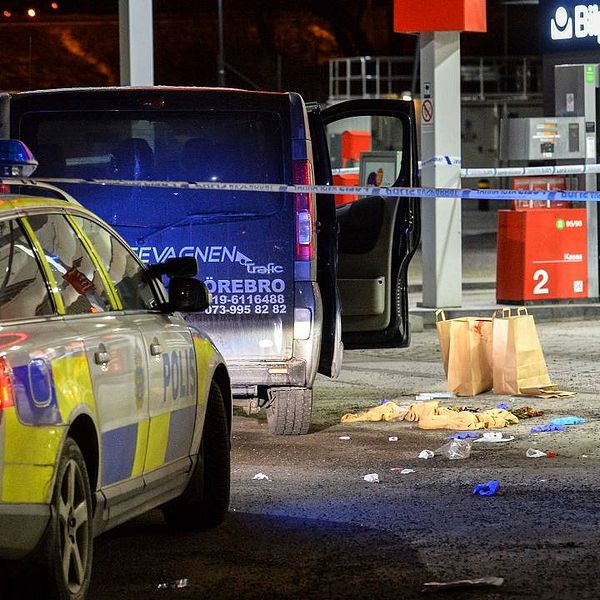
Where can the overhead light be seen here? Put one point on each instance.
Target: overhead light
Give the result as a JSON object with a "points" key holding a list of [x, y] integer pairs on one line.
{"points": [[31, 12]]}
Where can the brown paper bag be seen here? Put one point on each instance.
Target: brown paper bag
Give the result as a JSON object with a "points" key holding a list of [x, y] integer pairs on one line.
{"points": [[518, 359], [466, 348]]}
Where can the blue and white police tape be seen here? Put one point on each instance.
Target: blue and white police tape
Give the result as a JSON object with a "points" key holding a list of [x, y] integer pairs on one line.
{"points": [[383, 192], [474, 173]]}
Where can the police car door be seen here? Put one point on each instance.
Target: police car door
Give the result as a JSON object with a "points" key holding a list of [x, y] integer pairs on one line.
{"points": [[168, 366], [114, 350], [372, 143]]}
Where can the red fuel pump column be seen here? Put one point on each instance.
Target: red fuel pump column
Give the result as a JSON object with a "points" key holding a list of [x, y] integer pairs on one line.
{"points": [[541, 255]]}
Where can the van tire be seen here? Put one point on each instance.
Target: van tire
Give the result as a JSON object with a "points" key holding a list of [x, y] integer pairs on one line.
{"points": [[290, 411], [205, 501]]}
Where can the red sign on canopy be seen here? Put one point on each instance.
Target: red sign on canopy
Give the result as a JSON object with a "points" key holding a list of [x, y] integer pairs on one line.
{"points": [[439, 15]]}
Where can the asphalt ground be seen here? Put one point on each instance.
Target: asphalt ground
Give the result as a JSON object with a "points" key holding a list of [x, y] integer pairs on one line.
{"points": [[316, 529]]}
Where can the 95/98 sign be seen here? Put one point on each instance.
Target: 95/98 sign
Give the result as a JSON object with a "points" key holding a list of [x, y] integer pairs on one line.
{"points": [[542, 255]]}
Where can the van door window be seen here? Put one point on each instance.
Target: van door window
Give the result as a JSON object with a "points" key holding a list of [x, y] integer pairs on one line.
{"points": [[365, 150]]}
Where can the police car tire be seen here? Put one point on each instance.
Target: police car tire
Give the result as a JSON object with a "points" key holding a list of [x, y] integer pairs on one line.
{"points": [[71, 491], [205, 501], [290, 412]]}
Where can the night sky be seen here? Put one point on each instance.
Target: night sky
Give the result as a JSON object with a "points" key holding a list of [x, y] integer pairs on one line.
{"points": [[268, 44]]}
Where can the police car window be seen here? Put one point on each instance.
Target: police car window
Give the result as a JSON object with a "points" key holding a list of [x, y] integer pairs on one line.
{"points": [[130, 278], [23, 289], [79, 283]]}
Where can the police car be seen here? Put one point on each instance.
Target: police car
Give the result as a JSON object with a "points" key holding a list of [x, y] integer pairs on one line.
{"points": [[110, 404]]}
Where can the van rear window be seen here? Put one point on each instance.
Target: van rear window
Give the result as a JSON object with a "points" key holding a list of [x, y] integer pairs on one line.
{"points": [[228, 146]]}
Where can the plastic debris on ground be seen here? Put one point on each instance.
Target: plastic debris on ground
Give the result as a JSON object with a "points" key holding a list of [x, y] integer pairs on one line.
{"points": [[463, 435], [455, 449], [261, 476], [546, 428], [173, 585], [534, 453], [402, 471], [434, 586], [434, 396], [372, 478], [489, 488], [393, 438], [503, 406], [561, 421], [426, 454], [493, 437], [344, 437]]}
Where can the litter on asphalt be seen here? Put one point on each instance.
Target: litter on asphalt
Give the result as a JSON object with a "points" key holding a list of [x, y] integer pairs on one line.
{"points": [[562, 421], [534, 453], [173, 585], [493, 437], [434, 586], [455, 449], [372, 478], [426, 454], [489, 488], [261, 476], [546, 428]]}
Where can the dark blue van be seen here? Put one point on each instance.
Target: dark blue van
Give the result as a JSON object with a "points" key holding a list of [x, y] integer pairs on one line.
{"points": [[293, 277]]}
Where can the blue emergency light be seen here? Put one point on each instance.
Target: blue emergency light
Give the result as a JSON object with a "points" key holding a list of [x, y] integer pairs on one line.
{"points": [[16, 160]]}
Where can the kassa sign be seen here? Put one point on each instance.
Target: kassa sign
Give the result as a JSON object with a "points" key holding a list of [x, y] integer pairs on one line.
{"points": [[569, 26]]}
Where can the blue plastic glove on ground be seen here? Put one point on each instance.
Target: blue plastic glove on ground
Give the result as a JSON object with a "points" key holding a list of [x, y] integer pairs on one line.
{"points": [[503, 406], [567, 421], [463, 435], [548, 427], [487, 489]]}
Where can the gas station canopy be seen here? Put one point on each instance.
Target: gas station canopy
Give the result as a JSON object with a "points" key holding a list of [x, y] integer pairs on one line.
{"points": [[439, 15]]}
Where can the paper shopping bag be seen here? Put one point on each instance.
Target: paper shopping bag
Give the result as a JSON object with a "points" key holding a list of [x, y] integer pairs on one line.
{"points": [[466, 348], [518, 359]]}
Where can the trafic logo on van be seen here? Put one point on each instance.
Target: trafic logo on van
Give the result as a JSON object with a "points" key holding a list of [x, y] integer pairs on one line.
{"points": [[208, 254], [584, 22], [568, 223]]}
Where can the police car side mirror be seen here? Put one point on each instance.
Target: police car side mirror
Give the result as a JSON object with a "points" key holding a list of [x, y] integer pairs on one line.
{"points": [[183, 266], [187, 294]]}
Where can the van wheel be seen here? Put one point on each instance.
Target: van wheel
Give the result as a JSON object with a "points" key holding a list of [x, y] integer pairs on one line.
{"points": [[290, 411], [205, 501], [67, 551]]}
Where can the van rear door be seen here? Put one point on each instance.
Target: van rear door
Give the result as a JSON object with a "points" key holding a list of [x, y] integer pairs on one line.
{"points": [[372, 143]]}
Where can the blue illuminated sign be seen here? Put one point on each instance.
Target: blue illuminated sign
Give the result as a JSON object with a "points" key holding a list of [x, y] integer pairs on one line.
{"points": [[567, 25]]}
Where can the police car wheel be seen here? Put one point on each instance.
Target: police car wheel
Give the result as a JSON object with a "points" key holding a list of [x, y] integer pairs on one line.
{"points": [[290, 411], [205, 501], [69, 542]]}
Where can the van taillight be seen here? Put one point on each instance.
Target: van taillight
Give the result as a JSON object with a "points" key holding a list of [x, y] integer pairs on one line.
{"points": [[304, 211], [6, 388]]}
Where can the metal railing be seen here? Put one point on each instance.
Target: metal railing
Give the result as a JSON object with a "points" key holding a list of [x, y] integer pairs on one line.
{"points": [[482, 78]]}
